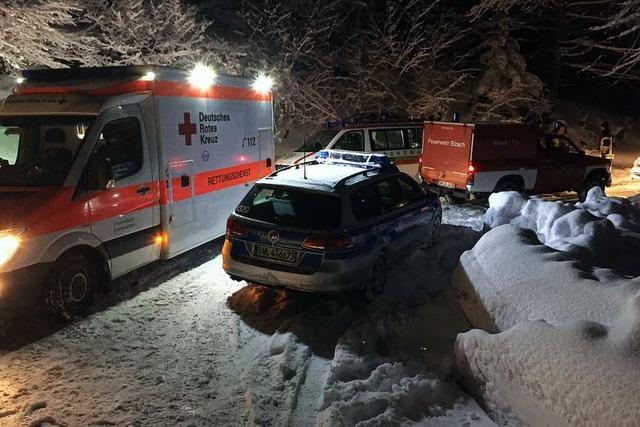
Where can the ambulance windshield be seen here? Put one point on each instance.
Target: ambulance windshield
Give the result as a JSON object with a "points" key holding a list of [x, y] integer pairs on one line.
{"points": [[318, 141], [39, 151]]}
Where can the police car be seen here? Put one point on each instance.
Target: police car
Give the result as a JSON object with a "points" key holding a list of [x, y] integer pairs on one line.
{"points": [[337, 223]]}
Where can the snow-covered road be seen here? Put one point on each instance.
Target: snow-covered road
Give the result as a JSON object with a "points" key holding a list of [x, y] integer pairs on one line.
{"points": [[200, 349]]}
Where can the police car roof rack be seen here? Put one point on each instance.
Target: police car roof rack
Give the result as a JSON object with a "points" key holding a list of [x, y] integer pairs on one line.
{"points": [[371, 163], [353, 158]]}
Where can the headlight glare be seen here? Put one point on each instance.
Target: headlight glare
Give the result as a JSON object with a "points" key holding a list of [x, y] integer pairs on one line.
{"points": [[9, 244]]}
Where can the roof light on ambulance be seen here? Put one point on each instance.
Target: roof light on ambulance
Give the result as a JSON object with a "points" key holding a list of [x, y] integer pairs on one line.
{"points": [[202, 76], [263, 83], [149, 77]]}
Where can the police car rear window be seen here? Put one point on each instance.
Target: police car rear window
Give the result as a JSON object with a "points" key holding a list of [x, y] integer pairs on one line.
{"points": [[291, 208]]}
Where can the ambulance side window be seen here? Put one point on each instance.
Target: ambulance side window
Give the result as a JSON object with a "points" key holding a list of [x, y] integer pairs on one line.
{"points": [[121, 143]]}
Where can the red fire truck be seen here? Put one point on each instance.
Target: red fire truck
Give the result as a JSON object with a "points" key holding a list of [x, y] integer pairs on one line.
{"points": [[474, 160]]}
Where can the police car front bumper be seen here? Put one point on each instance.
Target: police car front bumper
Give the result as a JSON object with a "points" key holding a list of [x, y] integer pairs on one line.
{"points": [[331, 276]]}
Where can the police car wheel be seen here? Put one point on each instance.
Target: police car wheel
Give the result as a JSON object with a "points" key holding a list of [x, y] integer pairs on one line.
{"points": [[434, 237], [72, 284], [378, 278]]}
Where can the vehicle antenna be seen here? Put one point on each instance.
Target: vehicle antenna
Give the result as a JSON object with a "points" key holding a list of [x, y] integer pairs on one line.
{"points": [[304, 160]]}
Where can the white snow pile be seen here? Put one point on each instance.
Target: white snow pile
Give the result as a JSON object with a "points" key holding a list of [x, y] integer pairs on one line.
{"points": [[603, 231], [509, 277], [580, 374], [570, 353], [394, 372]]}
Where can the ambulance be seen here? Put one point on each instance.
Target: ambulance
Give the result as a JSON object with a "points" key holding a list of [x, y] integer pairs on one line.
{"points": [[104, 170]]}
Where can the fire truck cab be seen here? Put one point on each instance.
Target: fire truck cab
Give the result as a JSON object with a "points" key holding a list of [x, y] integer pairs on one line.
{"points": [[104, 170]]}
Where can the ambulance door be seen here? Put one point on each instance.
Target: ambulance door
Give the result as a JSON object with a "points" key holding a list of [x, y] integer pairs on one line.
{"points": [[267, 150], [125, 216], [181, 202]]}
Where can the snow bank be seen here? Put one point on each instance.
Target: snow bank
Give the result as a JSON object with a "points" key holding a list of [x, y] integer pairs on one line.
{"points": [[584, 373], [509, 277], [602, 231], [570, 353]]}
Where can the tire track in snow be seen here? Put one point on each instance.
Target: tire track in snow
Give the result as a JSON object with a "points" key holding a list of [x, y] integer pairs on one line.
{"points": [[310, 391]]}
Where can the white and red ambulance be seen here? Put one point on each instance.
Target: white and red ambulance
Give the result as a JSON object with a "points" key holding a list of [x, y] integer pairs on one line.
{"points": [[103, 170]]}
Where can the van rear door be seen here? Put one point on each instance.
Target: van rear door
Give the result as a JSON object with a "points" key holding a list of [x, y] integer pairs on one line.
{"points": [[445, 154], [267, 150]]}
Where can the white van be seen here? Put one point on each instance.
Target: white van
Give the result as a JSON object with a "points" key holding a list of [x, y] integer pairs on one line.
{"points": [[104, 170], [401, 142]]}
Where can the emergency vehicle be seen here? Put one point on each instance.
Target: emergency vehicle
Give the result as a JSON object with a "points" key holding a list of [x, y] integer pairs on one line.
{"points": [[401, 142], [334, 224], [475, 160], [104, 170]]}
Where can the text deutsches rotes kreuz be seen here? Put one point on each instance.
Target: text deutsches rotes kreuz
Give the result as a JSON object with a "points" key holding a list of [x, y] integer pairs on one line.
{"points": [[208, 126]]}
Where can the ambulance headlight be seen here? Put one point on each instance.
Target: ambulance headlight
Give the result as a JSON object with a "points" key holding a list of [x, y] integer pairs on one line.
{"points": [[202, 76], [9, 244], [20, 80], [263, 83]]}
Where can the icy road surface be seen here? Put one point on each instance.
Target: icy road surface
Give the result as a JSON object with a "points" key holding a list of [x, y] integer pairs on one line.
{"points": [[199, 349]]}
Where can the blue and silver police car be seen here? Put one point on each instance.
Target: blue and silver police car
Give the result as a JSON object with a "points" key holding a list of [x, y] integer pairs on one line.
{"points": [[337, 223]]}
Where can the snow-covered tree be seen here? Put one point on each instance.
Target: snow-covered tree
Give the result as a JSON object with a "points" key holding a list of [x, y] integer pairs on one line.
{"points": [[39, 33], [337, 59], [166, 32], [505, 88]]}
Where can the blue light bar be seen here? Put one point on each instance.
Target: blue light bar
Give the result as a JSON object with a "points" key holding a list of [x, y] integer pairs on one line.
{"points": [[356, 159]]}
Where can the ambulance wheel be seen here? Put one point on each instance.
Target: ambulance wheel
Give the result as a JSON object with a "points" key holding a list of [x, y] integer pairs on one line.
{"points": [[72, 284], [377, 279], [591, 183]]}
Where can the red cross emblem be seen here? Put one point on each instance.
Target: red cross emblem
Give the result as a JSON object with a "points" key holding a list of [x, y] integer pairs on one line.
{"points": [[187, 128]]}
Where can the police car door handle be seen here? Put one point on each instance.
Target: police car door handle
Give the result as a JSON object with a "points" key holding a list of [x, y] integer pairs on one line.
{"points": [[143, 190]]}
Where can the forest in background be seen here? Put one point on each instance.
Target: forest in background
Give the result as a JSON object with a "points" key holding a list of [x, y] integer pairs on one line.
{"points": [[486, 59]]}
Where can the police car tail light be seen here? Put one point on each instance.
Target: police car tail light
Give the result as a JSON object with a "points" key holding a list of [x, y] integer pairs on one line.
{"points": [[328, 242], [235, 228], [471, 175]]}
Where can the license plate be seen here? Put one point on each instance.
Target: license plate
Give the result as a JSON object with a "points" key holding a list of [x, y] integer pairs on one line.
{"points": [[446, 184], [277, 254]]}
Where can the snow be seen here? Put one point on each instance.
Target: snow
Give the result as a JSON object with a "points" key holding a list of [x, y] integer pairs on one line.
{"points": [[515, 279], [581, 373], [562, 282], [601, 231], [378, 374], [200, 349], [7, 84]]}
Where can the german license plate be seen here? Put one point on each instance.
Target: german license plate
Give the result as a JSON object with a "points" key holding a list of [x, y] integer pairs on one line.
{"points": [[446, 184], [277, 254]]}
